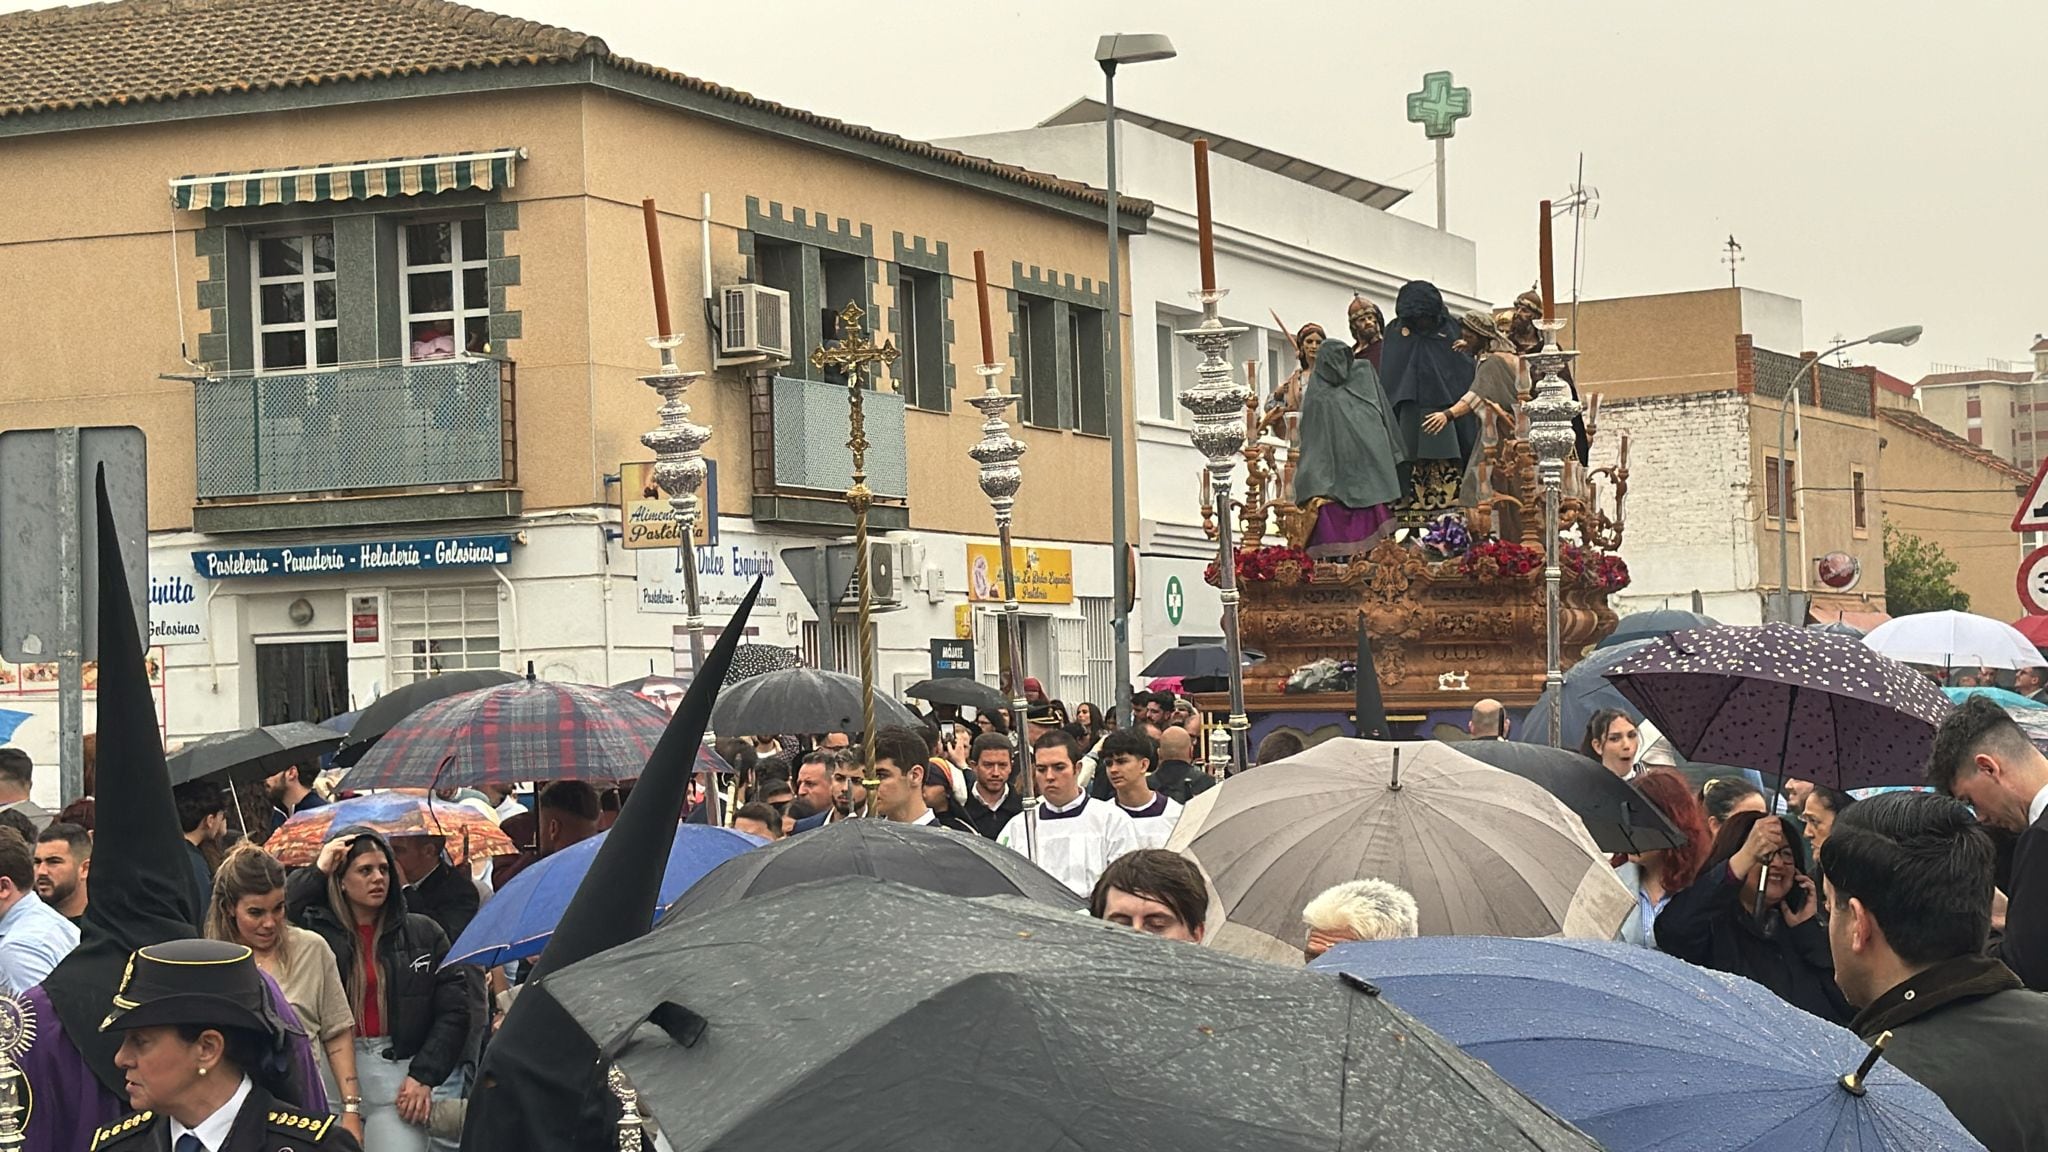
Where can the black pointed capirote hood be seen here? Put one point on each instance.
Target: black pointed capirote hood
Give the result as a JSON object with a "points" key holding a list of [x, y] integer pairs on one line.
{"points": [[542, 1084], [140, 867]]}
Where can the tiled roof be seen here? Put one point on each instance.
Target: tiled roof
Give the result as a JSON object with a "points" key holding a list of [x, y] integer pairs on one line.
{"points": [[1927, 429], [2040, 344], [1976, 376], [1891, 383], [150, 51]]}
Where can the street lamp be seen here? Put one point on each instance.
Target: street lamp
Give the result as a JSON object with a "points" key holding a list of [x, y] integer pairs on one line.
{"points": [[1111, 51], [1902, 336]]}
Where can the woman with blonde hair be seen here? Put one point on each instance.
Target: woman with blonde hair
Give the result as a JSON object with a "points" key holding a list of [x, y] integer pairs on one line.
{"points": [[248, 909]]}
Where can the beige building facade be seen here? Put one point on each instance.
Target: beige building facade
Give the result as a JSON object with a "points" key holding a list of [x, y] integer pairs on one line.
{"points": [[388, 401]]}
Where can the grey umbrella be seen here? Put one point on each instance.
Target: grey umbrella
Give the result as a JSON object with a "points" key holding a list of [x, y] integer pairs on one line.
{"points": [[252, 753], [800, 700], [811, 1018]]}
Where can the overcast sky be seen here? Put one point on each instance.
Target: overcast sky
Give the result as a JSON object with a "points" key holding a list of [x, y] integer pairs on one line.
{"points": [[1881, 160]]}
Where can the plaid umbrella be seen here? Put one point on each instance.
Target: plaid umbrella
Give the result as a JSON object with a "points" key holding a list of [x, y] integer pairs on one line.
{"points": [[470, 833], [1791, 701], [526, 730]]}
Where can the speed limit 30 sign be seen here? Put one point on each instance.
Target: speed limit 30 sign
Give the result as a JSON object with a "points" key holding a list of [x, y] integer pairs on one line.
{"points": [[2033, 582]]}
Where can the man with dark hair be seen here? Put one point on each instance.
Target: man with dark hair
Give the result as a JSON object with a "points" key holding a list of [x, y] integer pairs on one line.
{"points": [[569, 812], [63, 868], [291, 792], [2032, 683], [203, 815], [1151, 706], [1175, 773], [33, 935], [17, 774], [1908, 878], [991, 802], [1279, 744], [1157, 892], [1981, 757], [433, 888], [900, 755], [758, 819], [1075, 836], [1127, 762], [815, 788]]}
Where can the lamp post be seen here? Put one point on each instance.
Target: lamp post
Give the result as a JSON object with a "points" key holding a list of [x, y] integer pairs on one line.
{"points": [[1111, 51], [1902, 336], [1551, 435]]}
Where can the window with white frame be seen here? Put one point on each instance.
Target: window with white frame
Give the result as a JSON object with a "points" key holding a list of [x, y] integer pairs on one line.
{"points": [[297, 320], [436, 630], [446, 291]]}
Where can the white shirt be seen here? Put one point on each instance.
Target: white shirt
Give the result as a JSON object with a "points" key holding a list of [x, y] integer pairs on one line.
{"points": [[213, 1131], [1154, 822], [929, 817], [2035, 809], [1075, 841]]}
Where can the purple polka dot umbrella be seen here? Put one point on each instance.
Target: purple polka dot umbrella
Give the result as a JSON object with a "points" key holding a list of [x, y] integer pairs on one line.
{"points": [[1786, 701]]}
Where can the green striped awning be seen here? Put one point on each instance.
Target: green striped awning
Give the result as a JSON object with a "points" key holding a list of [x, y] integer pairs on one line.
{"points": [[400, 176]]}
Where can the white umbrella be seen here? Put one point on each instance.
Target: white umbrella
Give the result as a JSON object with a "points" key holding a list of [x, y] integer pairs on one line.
{"points": [[1953, 640]]}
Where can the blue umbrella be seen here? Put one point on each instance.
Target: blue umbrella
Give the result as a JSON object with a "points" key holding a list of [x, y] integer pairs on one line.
{"points": [[515, 924], [1586, 691], [1999, 696], [1646, 1052], [9, 721], [1652, 624]]}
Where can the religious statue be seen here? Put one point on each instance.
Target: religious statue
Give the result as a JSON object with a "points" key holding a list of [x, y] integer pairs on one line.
{"points": [[1367, 328], [1284, 406], [1346, 474], [1492, 398], [1523, 334], [1426, 373]]}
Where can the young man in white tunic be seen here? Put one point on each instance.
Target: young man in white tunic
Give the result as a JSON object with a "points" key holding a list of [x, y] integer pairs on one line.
{"points": [[1076, 837], [1127, 757]]}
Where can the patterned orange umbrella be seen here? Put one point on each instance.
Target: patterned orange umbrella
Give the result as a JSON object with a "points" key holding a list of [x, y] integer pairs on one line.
{"points": [[470, 834]]}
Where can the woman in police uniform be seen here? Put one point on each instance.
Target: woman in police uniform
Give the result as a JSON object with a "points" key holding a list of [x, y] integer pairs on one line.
{"points": [[202, 1051]]}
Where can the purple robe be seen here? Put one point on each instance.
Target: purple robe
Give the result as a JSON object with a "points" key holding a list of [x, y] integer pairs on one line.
{"points": [[70, 1104]]}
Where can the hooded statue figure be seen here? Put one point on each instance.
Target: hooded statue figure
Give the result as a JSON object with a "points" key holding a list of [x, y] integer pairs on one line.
{"points": [[1347, 466], [139, 897], [1423, 373], [542, 1084]]}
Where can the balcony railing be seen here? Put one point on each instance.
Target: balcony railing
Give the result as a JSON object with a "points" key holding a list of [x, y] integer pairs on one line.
{"points": [[438, 424], [810, 420]]}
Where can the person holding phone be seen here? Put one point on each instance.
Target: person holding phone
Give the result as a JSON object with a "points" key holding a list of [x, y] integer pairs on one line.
{"points": [[1751, 912]]}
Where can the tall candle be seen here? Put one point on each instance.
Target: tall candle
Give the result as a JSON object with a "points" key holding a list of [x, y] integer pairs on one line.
{"points": [[1543, 260], [1202, 217], [654, 265], [988, 340]]}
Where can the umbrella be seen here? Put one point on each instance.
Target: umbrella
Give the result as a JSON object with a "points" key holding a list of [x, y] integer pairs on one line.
{"points": [[9, 721], [801, 700], [2034, 628], [1196, 660], [751, 660], [1615, 814], [1647, 1053], [2008, 700], [1786, 701], [1950, 639], [958, 691], [798, 1021], [387, 710], [470, 833], [525, 730], [517, 922], [932, 858], [1586, 691], [1652, 624], [1484, 852], [654, 686], [253, 753], [1839, 628]]}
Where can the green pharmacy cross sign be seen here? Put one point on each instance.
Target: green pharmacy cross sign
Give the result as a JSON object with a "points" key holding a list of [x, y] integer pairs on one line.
{"points": [[1176, 600], [1439, 106]]}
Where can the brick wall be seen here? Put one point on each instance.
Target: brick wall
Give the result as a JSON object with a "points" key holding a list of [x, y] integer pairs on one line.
{"points": [[1690, 521]]}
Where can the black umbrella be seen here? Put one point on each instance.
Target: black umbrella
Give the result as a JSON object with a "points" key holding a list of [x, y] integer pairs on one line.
{"points": [[1617, 815], [801, 700], [1190, 660], [801, 1019], [393, 706], [1586, 691], [958, 691], [252, 753], [931, 858], [1654, 623]]}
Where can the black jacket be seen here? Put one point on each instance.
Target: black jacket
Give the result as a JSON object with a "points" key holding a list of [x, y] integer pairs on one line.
{"points": [[263, 1125], [1180, 780], [447, 897], [429, 1012], [2024, 947], [1967, 1030], [989, 821], [1707, 925]]}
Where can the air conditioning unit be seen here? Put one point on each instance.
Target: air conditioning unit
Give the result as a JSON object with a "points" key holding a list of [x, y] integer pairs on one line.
{"points": [[840, 572], [753, 321]]}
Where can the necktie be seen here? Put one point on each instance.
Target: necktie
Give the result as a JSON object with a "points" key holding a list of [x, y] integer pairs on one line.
{"points": [[189, 1143]]}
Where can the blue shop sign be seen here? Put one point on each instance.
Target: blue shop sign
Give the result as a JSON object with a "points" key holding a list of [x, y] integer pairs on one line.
{"points": [[367, 556]]}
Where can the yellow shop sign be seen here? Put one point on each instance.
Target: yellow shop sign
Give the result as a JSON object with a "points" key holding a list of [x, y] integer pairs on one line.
{"points": [[1044, 575]]}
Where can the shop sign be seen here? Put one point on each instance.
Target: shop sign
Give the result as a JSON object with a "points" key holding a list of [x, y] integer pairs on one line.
{"points": [[1044, 575], [369, 556]]}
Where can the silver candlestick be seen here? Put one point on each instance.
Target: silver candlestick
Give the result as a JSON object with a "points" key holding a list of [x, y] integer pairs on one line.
{"points": [[1217, 404], [1002, 474], [1551, 435], [679, 472], [631, 1126]]}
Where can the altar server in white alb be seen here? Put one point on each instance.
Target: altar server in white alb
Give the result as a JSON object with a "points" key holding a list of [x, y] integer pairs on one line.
{"points": [[1077, 836], [1128, 757]]}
